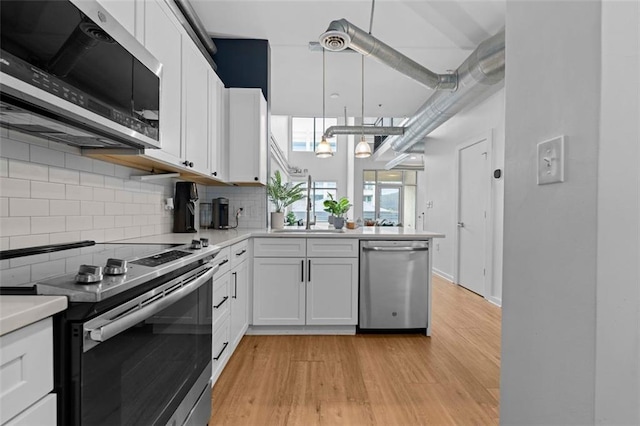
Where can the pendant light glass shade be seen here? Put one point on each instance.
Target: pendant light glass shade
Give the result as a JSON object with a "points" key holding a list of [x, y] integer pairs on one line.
{"points": [[363, 149], [323, 150]]}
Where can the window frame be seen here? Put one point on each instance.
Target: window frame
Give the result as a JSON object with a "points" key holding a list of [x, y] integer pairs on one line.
{"points": [[377, 192], [317, 122]]}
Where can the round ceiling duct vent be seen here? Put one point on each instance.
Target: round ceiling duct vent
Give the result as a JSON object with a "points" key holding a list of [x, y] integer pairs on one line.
{"points": [[335, 40]]}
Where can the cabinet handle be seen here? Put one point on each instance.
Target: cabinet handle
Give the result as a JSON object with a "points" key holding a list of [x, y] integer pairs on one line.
{"points": [[215, 358], [221, 303], [241, 253], [215, 173], [309, 270], [223, 262], [188, 163], [302, 271], [235, 285], [256, 178]]}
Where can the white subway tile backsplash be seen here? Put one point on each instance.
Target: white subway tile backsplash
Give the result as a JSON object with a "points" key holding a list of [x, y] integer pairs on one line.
{"points": [[132, 209], [4, 167], [16, 276], [147, 230], [123, 172], [91, 179], [91, 208], [64, 208], [132, 185], [113, 208], [104, 168], [47, 224], [77, 162], [103, 194], [103, 222], [75, 192], [47, 269], [132, 232], [42, 155], [124, 196], [28, 207], [10, 226], [140, 220], [64, 237], [14, 149], [4, 207], [139, 198], [4, 243], [79, 223], [114, 234], [113, 182], [93, 234], [67, 176], [23, 241], [123, 221], [52, 191], [15, 188], [31, 171]]}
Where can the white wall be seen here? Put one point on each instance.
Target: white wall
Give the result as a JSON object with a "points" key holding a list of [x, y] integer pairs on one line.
{"points": [[439, 183], [50, 194], [281, 130], [617, 340], [549, 276]]}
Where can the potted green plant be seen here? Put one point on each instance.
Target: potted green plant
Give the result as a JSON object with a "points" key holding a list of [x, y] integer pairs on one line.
{"points": [[281, 194], [337, 208]]}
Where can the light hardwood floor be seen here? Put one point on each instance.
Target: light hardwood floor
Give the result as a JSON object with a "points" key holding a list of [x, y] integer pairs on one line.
{"points": [[451, 377]]}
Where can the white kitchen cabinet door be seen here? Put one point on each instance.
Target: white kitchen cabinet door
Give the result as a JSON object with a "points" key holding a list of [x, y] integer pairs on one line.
{"points": [[279, 291], [123, 11], [217, 127], [332, 291], [239, 302], [195, 108], [163, 39], [247, 136]]}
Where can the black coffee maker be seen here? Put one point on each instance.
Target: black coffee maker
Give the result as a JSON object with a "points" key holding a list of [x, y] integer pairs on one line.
{"points": [[220, 213], [184, 213]]}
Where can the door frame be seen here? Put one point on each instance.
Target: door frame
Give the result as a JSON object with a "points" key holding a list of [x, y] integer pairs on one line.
{"points": [[488, 230]]}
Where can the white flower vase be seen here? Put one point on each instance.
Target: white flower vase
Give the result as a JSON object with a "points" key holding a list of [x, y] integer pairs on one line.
{"points": [[277, 220]]}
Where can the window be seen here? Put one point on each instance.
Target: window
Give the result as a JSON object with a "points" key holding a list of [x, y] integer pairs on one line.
{"points": [[389, 196], [319, 192], [306, 133]]}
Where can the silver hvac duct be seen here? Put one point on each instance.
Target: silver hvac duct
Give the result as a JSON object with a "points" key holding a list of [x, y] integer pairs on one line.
{"points": [[477, 80], [366, 130], [192, 17], [342, 34]]}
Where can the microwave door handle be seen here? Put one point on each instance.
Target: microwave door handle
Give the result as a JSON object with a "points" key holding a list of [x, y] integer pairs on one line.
{"points": [[119, 325]]}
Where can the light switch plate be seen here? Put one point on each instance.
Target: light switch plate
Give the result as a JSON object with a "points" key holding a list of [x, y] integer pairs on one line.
{"points": [[551, 161]]}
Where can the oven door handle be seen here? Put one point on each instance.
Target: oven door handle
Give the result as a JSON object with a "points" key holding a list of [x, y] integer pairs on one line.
{"points": [[119, 325]]}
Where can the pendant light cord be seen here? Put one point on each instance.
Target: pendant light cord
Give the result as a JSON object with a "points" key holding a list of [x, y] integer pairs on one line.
{"points": [[323, 92], [362, 97]]}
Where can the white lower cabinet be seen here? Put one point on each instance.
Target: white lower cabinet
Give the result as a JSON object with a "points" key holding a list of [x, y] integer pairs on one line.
{"points": [[309, 290], [26, 375], [239, 301]]}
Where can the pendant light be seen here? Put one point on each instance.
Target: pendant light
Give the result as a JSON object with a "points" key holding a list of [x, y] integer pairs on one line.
{"points": [[323, 150], [363, 150]]}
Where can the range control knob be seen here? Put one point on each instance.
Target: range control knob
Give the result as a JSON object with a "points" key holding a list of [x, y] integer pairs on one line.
{"points": [[88, 274], [205, 242], [196, 244], [115, 267]]}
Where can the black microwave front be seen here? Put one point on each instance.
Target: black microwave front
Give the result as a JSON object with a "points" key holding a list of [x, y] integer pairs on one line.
{"points": [[72, 62]]}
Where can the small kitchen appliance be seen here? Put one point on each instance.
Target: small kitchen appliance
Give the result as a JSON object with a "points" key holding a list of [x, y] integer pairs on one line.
{"points": [[184, 213], [220, 213]]}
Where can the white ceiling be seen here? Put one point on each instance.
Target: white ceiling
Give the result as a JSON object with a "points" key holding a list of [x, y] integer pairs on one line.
{"points": [[437, 34]]}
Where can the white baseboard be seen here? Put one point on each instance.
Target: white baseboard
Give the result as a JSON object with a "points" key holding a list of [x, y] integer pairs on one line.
{"points": [[496, 301], [442, 274], [267, 330]]}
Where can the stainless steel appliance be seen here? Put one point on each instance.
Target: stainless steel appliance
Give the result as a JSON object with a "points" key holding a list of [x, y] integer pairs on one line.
{"points": [[184, 213], [134, 346], [394, 286], [220, 213], [70, 72]]}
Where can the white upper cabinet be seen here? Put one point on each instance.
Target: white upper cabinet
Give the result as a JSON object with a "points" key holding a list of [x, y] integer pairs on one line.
{"points": [[218, 141], [124, 11], [163, 39], [247, 136], [195, 106]]}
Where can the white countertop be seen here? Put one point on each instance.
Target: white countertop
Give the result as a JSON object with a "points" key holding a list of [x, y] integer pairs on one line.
{"points": [[228, 237], [19, 311]]}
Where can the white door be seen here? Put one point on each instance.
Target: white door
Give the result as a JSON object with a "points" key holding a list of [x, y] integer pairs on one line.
{"points": [[473, 192], [279, 291], [332, 291], [239, 293]]}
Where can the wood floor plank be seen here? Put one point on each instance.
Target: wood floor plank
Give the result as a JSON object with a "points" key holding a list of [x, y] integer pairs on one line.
{"points": [[450, 378]]}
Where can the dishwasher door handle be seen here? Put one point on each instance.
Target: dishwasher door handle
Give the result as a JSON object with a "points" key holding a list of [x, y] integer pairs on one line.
{"points": [[395, 248]]}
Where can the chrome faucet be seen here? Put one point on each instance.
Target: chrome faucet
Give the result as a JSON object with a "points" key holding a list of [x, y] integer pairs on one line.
{"points": [[308, 222]]}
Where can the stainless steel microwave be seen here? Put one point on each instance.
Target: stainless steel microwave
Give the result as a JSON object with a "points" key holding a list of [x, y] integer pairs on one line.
{"points": [[70, 72]]}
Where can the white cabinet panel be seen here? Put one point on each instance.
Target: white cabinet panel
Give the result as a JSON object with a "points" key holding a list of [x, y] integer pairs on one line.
{"points": [[247, 136], [42, 413], [221, 297], [26, 373], [164, 40], [218, 143], [278, 291], [279, 247], [332, 291], [332, 247], [239, 302], [195, 105], [123, 11], [221, 349]]}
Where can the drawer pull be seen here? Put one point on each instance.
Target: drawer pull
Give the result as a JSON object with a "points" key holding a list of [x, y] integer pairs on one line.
{"points": [[223, 262], [241, 252], [215, 358], [221, 303]]}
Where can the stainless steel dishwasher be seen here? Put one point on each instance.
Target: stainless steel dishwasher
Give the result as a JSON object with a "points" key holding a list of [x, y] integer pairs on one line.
{"points": [[394, 286]]}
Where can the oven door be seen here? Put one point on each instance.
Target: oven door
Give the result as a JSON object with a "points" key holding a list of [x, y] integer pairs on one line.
{"points": [[149, 358]]}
